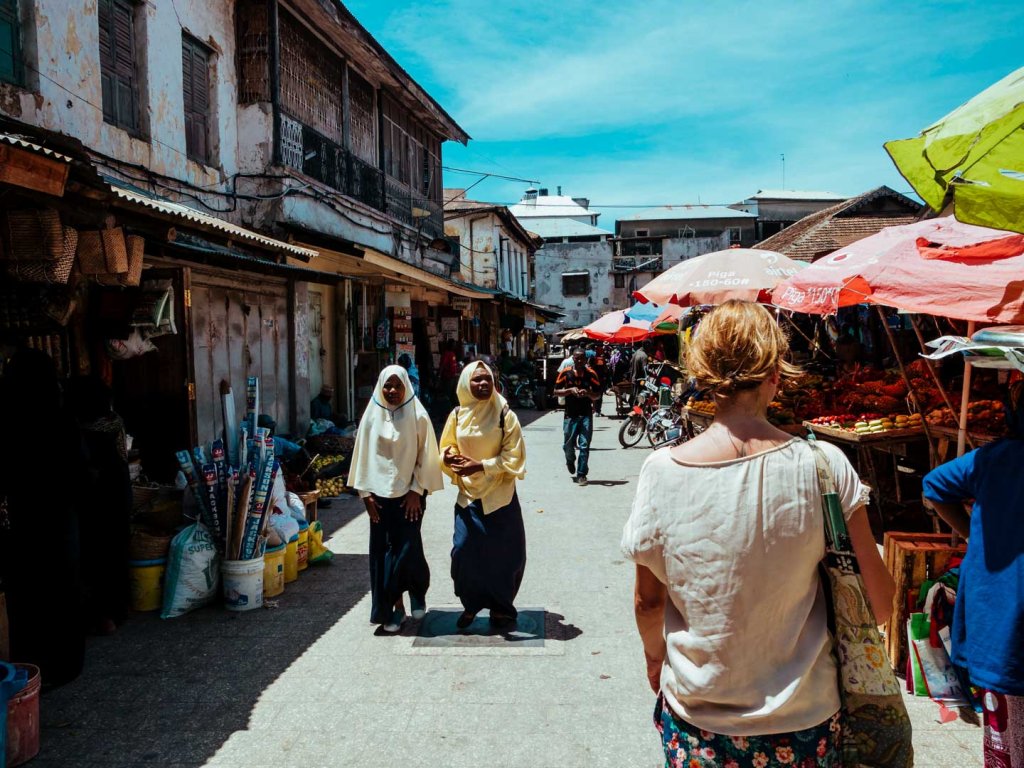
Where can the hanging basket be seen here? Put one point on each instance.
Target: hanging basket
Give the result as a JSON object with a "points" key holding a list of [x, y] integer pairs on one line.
{"points": [[51, 272], [33, 235]]}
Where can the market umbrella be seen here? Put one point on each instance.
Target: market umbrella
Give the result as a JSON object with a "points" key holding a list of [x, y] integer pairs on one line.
{"points": [[735, 273], [938, 267], [974, 156], [617, 328]]}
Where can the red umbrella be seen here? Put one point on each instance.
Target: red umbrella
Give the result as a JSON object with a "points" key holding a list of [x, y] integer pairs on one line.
{"points": [[736, 273], [938, 267], [617, 328]]}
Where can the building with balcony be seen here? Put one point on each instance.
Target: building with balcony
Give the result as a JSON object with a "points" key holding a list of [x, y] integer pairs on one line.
{"points": [[283, 172]]}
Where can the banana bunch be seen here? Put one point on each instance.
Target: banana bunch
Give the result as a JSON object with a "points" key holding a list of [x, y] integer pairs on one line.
{"points": [[322, 461], [334, 486]]}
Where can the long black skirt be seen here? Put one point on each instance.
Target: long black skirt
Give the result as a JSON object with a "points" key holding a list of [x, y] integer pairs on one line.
{"points": [[397, 562], [489, 557]]}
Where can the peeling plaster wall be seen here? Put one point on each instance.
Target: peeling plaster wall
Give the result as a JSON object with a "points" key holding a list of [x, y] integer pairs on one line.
{"points": [[66, 95], [554, 259], [479, 256], [677, 249]]}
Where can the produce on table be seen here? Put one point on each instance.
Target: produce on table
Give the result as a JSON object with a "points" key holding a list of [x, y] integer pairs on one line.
{"points": [[986, 417], [705, 407], [334, 486], [869, 423]]}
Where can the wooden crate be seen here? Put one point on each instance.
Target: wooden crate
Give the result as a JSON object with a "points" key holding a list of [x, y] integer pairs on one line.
{"points": [[912, 558]]}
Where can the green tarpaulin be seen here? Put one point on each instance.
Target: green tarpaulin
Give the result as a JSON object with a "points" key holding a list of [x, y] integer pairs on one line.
{"points": [[974, 155]]}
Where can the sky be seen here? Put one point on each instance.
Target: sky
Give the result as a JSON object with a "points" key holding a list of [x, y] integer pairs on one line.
{"points": [[652, 102]]}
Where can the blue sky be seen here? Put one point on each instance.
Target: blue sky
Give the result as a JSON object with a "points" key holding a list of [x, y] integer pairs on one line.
{"points": [[658, 102]]}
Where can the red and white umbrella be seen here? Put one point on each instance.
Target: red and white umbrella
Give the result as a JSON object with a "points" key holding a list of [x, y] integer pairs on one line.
{"points": [[937, 267], [736, 273], [618, 328]]}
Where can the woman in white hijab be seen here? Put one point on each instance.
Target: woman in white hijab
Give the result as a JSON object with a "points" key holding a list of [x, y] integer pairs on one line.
{"points": [[484, 454], [395, 464]]}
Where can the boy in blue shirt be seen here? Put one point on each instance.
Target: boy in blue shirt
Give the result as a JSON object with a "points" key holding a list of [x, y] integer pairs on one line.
{"points": [[988, 619]]}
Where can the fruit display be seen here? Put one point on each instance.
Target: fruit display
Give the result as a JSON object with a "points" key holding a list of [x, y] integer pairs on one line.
{"points": [[334, 486], [869, 423], [798, 398], [987, 417], [705, 407], [320, 462]]}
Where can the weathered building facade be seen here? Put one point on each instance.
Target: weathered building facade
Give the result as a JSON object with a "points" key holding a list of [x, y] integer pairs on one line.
{"points": [[573, 268], [777, 209], [283, 170]]}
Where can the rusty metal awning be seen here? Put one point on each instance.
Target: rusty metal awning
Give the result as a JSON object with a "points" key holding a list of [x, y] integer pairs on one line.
{"points": [[203, 220], [18, 141]]}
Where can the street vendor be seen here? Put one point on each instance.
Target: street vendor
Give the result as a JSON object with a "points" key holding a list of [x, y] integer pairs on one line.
{"points": [[988, 619], [322, 406]]}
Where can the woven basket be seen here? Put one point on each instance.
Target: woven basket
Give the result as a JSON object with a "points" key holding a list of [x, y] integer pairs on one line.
{"points": [[136, 248], [331, 445], [148, 544], [52, 272], [103, 254], [33, 235]]}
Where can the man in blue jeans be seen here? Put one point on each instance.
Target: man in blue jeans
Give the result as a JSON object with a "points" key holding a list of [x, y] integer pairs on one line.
{"points": [[580, 387]]}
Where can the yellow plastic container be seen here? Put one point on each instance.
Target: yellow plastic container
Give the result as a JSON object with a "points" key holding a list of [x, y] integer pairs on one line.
{"points": [[303, 549], [291, 560], [147, 583], [273, 571]]}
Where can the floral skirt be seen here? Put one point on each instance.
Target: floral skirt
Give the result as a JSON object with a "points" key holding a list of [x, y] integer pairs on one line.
{"points": [[690, 747]]}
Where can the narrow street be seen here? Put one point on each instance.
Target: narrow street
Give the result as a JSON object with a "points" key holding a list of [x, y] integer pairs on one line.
{"points": [[309, 684]]}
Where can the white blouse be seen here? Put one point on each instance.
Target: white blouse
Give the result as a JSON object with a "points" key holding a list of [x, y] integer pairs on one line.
{"points": [[738, 545]]}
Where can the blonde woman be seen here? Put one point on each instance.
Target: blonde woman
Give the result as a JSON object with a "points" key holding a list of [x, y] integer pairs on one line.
{"points": [[726, 532], [483, 453], [395, 465]]}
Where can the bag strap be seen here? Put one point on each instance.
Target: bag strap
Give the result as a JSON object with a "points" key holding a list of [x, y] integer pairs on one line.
{"points": [[837, 538], [501, 420]]}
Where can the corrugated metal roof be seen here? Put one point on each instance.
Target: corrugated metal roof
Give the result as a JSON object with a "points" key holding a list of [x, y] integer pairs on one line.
{"points": [[549, 205], [204, 219], [687, 213], [563, 228], [18, 141], [796, 194]]}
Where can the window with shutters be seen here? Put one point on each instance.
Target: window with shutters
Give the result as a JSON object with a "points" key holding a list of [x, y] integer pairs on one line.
{"points": [[11, 66], [195, 69], [118, 66]]}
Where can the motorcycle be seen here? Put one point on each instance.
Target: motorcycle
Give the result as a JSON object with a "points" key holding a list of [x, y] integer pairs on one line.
{"points": [[635, 426]]}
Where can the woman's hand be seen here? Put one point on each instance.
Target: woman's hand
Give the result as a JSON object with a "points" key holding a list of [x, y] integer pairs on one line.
{"points": [[464, 465], [654, 673], [449, 456], [372, 509], [413, 506]]}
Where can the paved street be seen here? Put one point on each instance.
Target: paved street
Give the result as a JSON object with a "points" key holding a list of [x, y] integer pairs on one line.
{"points": [[309, 684]]}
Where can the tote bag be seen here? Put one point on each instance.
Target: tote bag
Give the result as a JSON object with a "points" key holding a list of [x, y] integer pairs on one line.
{"points": [[876, 726]]}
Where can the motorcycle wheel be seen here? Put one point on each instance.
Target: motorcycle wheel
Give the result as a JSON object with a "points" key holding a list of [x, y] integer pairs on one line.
{"points": [[632, 431]]}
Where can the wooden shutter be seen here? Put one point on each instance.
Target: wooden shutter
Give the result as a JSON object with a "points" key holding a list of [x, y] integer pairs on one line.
{"points": [[195, 63], [117, 64], [10, 42]]}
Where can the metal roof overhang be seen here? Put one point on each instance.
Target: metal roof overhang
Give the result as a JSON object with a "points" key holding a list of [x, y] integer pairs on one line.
{"points": [[198, 249], [182, 213], [376, 264]]}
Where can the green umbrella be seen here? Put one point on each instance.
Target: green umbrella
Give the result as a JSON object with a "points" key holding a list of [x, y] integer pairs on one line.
{"points": [[974, 155]]}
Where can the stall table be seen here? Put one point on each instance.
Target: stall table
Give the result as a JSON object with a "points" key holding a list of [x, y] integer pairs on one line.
{"points": [[892, 442], [946, 445]]}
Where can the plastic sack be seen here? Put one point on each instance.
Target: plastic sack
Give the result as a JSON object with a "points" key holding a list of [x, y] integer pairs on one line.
{"points": [[318, 553], [319, 426], [296, 507], [193, 572], [284, 525], [133, 346]]}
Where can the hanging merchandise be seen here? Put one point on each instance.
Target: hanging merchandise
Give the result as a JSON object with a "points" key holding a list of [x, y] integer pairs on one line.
{"points": [[44, 270], [154, 313], [103, 255]]}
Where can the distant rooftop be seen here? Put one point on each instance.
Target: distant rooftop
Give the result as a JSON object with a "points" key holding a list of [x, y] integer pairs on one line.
{"points": [[533, 205], [797, 194], [563, 228], [687, 212]]}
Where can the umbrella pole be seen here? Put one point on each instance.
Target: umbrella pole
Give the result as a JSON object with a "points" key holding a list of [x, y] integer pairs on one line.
{"points": [[965, 397], [935, 374], [906, 378]]}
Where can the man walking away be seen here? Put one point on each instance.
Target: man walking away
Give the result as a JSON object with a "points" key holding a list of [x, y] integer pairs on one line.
{"points": [[638, 370], [579, 386]]}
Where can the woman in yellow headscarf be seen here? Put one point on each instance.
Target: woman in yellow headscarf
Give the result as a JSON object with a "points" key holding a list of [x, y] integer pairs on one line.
{"points": [[482, 451]]}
